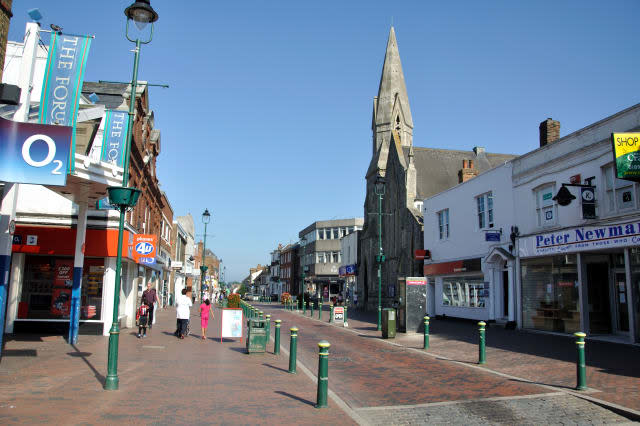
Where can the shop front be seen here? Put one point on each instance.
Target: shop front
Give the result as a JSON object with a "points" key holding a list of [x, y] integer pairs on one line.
{"points": [[583, 279], [460, 289], [42, 280]]}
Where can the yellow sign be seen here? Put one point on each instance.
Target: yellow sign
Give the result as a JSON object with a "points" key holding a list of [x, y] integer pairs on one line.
{"points": [[626, 155]]}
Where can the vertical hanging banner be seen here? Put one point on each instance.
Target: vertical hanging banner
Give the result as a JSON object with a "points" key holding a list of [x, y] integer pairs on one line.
{"points": [[62, 85], [116, 124]]}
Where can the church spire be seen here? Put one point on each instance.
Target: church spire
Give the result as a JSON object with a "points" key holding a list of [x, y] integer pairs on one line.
{"points": [[391, 106]]}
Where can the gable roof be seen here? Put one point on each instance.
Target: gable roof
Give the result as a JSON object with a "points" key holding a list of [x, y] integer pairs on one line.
{"points": [[437, 169]]}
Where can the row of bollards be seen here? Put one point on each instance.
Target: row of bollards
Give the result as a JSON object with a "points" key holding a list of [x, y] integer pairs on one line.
{"points": [[581, 367]]}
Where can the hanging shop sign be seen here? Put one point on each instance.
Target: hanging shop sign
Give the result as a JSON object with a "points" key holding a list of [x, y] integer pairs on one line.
{"points": [[144, 248], [348, 271], [62, 84], [114, 137], [34, 153], [626, 155]]}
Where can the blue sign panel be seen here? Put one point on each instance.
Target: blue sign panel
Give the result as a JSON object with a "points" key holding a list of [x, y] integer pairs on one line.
{"points": [[492, 236], [148, 260], [34, 153], [115, 133]]}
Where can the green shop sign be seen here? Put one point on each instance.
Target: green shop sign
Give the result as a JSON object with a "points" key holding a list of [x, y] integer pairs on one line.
{"points": [[626, 155]]}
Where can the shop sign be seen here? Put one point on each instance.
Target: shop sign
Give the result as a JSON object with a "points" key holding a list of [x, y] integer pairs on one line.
{"points": [[144, 248], [626, 155], [416, 281], [492, 236], [466, 265], [347, 270], [17, 239], [34, 153], [581, 239], [176, 265], [32, 240]]}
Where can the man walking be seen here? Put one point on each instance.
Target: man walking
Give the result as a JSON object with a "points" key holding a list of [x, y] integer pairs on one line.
{"points": [[151, 297]]}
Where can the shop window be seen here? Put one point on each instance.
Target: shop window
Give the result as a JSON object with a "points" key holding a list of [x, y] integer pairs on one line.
{"points": [[443, 224], [467, 292], [46, 289], [546, 210], [550, 293], [484, 205], [620, 195]]}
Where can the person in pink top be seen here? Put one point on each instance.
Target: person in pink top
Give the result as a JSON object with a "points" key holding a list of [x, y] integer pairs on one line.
{"points": [[205, 308]]}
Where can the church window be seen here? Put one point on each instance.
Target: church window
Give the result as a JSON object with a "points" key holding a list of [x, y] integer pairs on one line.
{"points": [[485, 210]]}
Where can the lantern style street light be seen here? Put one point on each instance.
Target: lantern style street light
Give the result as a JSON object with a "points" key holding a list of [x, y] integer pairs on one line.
{"points": [[124, 198], [379, 189], [206, 217]]}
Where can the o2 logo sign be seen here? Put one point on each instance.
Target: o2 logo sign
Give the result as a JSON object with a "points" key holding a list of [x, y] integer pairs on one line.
{"points": [[34, 153], [48, 157], [144, 248]]}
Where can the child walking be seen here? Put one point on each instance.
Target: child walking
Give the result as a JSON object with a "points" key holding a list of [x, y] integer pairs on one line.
{"points": [[142, 316], [205, 308]]}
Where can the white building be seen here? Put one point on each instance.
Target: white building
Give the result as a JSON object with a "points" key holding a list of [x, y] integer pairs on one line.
{"points": [[550, 265], [466, 230]]}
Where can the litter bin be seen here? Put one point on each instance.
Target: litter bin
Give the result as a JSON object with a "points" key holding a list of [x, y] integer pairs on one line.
{"points": [[388, 323], [257, 336]]}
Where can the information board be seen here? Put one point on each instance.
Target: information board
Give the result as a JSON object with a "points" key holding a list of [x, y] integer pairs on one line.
{"points": [[231, 323], [338, 314]]}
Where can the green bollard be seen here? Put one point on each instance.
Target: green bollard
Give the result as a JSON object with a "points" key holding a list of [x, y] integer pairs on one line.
{"points": [[268, 327], [320, 311], [346, 323], [304, 306], [331, 313], [581, 364], [482, 356], [261, 315], [323, 374], [311, 312], [293, 350], [426, 333], [276, 339]]}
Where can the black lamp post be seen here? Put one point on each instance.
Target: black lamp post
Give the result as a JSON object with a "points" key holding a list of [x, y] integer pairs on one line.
{"points": [[379, 189], [123, 197]]}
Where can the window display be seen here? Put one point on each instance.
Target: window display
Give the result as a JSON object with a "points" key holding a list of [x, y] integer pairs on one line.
{"points": [[550, 294], [48, 281], [467, 292]]}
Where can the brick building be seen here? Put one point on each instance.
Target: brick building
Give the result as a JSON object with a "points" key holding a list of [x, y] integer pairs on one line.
{"points": [[5, 19]]}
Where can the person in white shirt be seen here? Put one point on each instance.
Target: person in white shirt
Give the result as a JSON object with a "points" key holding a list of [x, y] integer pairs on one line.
{"points": [[183, 305]]}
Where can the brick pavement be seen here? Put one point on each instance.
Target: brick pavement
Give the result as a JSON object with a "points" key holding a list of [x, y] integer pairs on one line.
{"points": [[44, 380], [367, 372]]}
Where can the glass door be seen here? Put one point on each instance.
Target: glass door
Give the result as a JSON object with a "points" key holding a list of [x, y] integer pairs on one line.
{"points": [[621, 301]]}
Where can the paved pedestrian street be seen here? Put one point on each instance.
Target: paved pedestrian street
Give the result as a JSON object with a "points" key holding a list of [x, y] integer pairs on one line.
{"points": [[164, 380]]}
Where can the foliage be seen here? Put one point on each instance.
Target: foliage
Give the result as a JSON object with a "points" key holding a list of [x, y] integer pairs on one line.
{"points": [[242, 290], [233, 300], [285, 298]]}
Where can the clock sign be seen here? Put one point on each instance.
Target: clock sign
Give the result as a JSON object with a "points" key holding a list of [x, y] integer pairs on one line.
{"points": [[588, 197]]}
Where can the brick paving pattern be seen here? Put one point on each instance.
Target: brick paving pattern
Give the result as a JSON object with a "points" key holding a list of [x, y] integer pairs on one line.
{"points": [[162, 381]]}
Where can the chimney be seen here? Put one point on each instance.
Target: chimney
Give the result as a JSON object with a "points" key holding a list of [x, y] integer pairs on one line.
{"points": [[549, 131], [467, 171]]}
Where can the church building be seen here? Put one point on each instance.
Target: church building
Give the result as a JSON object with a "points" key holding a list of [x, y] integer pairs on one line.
{"points": [[410, 174]]}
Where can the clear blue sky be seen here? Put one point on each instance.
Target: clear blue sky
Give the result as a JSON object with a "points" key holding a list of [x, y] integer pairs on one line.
{"points": [[268, 119]]}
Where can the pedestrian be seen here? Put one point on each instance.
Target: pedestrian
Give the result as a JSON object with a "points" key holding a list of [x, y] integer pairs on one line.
{"points": [[151, 297], [205, 308], [183, 305], [355, 299], [142, 317]]}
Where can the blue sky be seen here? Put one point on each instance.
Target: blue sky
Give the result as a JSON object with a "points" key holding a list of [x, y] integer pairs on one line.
{"points": [[267, 121]]}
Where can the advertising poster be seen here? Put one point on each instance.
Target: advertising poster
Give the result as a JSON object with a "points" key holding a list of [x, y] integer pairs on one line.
{"points": [[626, 155], [34, 153], [231, 323], [61, 302], [63, 274]]}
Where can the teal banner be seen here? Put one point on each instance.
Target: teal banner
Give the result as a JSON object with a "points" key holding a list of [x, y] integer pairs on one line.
{"points": [[62, 85], [116, 124]]}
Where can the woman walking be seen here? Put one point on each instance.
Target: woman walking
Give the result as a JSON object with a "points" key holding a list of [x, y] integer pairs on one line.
{"points": [[205, 308], [183, 303]]}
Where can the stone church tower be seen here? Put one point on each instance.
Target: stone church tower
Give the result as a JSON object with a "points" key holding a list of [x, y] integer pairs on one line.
{"points": [[411, 174]]}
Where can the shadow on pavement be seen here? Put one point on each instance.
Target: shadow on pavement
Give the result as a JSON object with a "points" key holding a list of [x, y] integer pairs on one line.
{"points": [[274, 367], [297, 398], [83, 356], [20, 352]]}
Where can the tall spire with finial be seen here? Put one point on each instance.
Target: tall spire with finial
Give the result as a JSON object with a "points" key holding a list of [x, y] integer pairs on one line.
{"points": [[391, 106]]}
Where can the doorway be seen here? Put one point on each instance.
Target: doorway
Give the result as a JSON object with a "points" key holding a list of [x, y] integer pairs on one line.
{"points": [[505, 293], [621, 301], [598, 298]]}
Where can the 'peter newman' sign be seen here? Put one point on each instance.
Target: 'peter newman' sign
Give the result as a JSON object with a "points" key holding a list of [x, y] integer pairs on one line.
{"points": [[580, 239]]}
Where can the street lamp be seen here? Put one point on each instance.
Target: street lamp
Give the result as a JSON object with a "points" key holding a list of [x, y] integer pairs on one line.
{"points": [[379, 189], [123, 197], [206, 217], [303, 284]]}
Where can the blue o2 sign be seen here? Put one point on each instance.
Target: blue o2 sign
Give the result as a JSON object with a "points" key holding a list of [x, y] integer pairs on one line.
{"points": [[34, 153]]}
